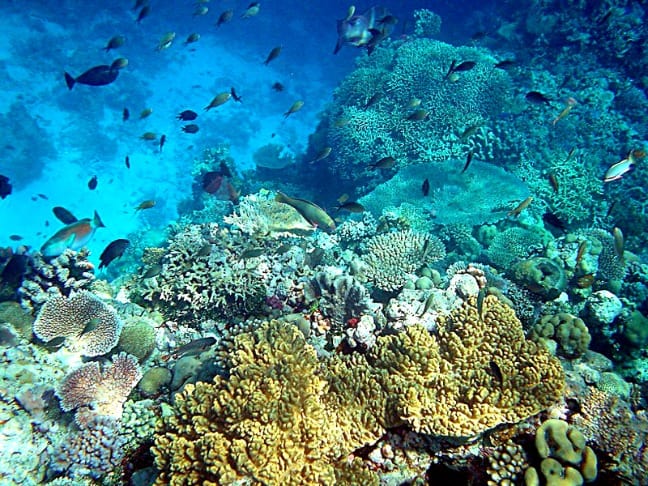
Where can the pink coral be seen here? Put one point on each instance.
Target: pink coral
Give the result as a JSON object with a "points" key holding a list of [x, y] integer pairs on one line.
{"points": [[105, 391], [90, 326]]}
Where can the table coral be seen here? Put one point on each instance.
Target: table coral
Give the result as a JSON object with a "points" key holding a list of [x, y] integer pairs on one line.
{"points": [[89, 326]]}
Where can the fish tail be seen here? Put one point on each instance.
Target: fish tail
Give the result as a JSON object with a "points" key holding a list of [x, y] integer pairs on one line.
{"points": [[281, 197], [69, 80], [97, 221]]}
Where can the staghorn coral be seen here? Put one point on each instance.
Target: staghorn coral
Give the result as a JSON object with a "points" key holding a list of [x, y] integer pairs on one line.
{"points": [[93, 391], [71, 271], [392, 257], [90, 327]]}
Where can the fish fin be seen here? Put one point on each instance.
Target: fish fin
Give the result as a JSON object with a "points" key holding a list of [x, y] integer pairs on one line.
{"points": [[338, 46], [69, 80], [97, 221]]}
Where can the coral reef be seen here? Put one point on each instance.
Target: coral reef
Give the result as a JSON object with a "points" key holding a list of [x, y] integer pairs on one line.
{"points": [[91, 390], [88, 325], [569, 332], [391, 258]]}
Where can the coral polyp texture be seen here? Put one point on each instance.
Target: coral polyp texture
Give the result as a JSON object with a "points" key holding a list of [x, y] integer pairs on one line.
{"points": [[88, 325], [282, 417], [103, 390], [391, 258]]}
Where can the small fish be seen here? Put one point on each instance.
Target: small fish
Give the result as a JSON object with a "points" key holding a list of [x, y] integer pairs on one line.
{"points": [[218, 100], [73, 236], [187, 115], [146, 10], [166, 41], [553, 181], [569, 104], [515, 212], [190, 128], [570, 154], [277, 86], [205, 250], [470, 131], [145, 113], [372, 100], [148, 136], [505, 64], [5, 186], [582, 246], [610, 209], [115, 42], [90, 326], [384, 163], [469, 158], [461, 67], [428, 303], [42, 196], [296, 106], [343, 198], [235, 96], [418, 115], [496, 371], [552, 220], [351, 206], [152, 271], [162, 141], [251, 253], [212, 181], [200, 10], [125, 114], [322, 154], [63, 215], [224, 17], [139, 4], [537, 98], [119, 63], [15, 237], [115, 249], [96, 76], [311, 212], [618, 242], [274, 54], [252, 10], [196, 346], [92, 183], [425, 187], [127, 162], [618, 170], [148, 204], [191, 38], [481, 297], [586, 281]]}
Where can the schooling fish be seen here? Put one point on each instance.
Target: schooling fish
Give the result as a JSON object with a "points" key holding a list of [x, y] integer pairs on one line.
{"points": [[274, 54], [425, 187], [218, 100], [115, 249], [235, 96], [187, 115], [63, 215], [125, 114], [96, 76], [73, 236], [92, 183], [127, 162], [115, 42], [148, 204], [311, 212], [364, 30], [294, 108], [191, 128], [225, 17]]}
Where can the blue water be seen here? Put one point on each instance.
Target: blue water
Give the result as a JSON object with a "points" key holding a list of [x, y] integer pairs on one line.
{"points": [[68, 136]]}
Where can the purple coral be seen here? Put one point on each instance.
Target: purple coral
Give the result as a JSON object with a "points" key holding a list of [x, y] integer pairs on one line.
{"points": [[90, 326], [104, 390]]}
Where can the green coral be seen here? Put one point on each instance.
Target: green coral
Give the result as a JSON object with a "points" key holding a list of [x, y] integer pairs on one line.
{"points": [[137, 338], [569, 332]]}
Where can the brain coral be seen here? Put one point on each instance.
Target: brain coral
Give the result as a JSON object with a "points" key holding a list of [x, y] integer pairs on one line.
{"points": [[392, 257], [89, 326], [104, 390]]}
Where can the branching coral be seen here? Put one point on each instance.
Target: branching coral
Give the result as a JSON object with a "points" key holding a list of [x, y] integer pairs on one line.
{"points": [[89, 326], [392, 257], [105, 391]]}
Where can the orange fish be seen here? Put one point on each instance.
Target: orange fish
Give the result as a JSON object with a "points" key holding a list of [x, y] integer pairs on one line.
{"points": [[73, 236]]}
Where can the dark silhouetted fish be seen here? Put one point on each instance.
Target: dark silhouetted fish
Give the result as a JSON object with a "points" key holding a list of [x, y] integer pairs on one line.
{"points": [[96, 76], [125, 114], [537, 98], [425, 187], [191, 128], [235, 95], [187, 115], [92, 183], [274, 54], [63, 215], [5, 187], [15, 237], [127, 162], [115, 249], [553, 220], [146, 9]]}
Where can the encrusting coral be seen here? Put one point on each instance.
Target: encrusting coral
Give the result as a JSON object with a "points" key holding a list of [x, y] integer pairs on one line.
{"points": [[282, 417], [89, 326]]}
